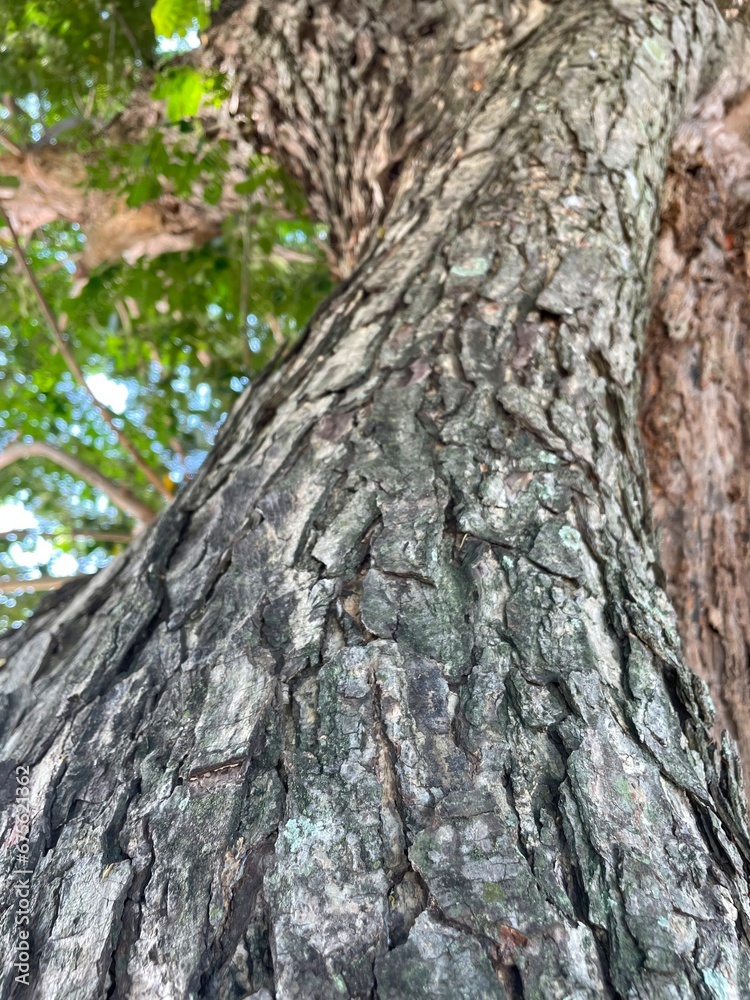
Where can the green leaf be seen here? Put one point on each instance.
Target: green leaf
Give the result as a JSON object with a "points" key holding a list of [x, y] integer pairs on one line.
{"points": [[8, 181], [183, 89], [212, 192], [177, 16], [248, 186], [146, 189]]}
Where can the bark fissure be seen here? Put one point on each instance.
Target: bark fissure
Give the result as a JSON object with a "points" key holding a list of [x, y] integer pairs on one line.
{"points": [[408, 893]]}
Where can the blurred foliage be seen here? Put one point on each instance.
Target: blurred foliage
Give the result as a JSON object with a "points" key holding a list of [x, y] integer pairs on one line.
{"points": [[141, 171], [73, 63], [185, 89], [170, 16], [166, 344]]}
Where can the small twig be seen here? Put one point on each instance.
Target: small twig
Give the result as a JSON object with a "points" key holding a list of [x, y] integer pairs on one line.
{"points": [[122, 312], [275, 326], [293, 256], [127, 31], [176, 446], [75, 369], [11, 146], [78, 102], [90, 101], [244, 291], [113, 537], [38, 585], [52, 268], [111, 54], [72, 121]]}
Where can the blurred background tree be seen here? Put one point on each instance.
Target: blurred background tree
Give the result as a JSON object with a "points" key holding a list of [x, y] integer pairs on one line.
{"points": [[151, 264]]}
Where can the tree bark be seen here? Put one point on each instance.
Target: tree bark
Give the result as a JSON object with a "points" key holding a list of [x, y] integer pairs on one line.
{"points": [[391, 703], [695, 413]]}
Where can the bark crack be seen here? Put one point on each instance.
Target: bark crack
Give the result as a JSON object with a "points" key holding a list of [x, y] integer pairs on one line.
{"points": [[393, 802]]}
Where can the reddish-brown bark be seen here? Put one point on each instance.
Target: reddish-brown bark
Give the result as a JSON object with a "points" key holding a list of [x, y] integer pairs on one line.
{"points": [[696, 406]]}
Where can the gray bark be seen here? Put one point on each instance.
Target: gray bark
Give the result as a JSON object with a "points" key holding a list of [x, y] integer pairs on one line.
{"points": [[391, 703]]}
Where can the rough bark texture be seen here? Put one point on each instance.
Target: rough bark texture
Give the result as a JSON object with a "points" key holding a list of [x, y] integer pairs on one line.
{"points": [[390, 703], [695, 415], [351, 96]]}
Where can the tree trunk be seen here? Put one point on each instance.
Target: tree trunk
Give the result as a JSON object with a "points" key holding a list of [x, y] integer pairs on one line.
{"points": [[695, 413], [390, 703]]}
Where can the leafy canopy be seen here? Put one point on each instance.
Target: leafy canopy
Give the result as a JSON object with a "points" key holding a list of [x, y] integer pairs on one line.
{"points": [[166, 344]]}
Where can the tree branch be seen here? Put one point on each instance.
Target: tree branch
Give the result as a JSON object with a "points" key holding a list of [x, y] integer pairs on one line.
{"points": [[75, 369], [114, 537], [121, 496], [10, 146], [247, 360], [54, 184], [127, 31], [38, 585], [289, 255]]}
